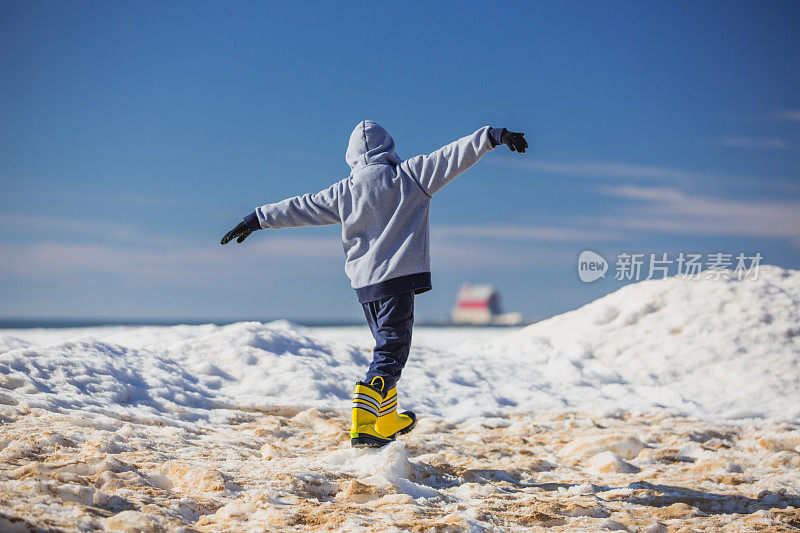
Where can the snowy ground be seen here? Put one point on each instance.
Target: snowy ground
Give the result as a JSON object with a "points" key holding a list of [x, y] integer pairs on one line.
{"points": [[667, 404]]}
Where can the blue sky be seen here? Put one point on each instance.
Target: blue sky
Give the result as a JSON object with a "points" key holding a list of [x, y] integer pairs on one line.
{"points": [[134, 134]]}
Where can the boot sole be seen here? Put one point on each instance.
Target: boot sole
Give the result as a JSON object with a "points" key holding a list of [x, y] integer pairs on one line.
{"points": [[369, 442]]}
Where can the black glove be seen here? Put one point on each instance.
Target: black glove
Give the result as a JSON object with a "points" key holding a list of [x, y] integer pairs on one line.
{"points": [[240, 233], [515, 141]]}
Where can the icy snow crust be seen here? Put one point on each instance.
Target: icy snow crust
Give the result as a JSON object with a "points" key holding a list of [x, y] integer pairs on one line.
{"points": [[666, 404], [709, 349]]}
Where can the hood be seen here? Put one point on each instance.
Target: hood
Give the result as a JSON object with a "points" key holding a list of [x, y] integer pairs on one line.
{"points": [[370, 144]]}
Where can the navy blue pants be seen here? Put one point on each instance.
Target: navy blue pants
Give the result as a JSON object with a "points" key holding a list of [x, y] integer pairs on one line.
{"points": [[391, 320]]}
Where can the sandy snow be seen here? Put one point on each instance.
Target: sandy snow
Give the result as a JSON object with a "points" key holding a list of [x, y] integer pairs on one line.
{"points": [[667, 404]]}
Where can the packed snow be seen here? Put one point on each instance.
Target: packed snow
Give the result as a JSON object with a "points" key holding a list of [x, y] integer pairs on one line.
{"points": [[668, 401], [712, 349]]}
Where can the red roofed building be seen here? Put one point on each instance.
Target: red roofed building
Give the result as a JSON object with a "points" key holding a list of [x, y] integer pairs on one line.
{"points": [[480, 305]]}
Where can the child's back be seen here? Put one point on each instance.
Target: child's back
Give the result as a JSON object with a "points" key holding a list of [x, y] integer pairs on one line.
{"points": [[383, 207]]}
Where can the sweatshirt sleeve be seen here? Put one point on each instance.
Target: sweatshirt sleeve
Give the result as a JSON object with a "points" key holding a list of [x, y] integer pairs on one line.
{"points": [[436, 170], [320, 209]]}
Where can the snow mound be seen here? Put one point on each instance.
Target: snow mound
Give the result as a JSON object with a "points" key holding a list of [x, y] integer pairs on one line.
{"points": [[708, 348], [250, 361], [199, 374], [96, 377]]}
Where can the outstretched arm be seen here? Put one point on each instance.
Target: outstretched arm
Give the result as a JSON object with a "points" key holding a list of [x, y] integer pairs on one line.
{"points": [[320, 209], [439, 168]]}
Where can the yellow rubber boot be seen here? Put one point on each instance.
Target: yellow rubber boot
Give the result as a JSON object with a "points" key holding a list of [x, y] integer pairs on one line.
{"points": [[390, 423], [366, 406]]}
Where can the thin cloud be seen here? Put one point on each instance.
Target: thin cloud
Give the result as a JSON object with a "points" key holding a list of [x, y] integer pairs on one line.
{"points": [[760, 143], [616, 170], [237, 267], [672, 211], [658, 194], [453, 257], [600, 169], [135, 256], [185, 265], [526, 233], [608, 170], [781, 115], [787, 115], [77, 227]]}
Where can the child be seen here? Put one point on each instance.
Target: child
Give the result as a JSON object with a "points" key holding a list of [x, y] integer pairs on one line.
{"points": [[383, 207]]}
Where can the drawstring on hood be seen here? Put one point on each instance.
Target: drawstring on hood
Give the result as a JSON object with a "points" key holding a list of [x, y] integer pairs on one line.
{"points": [[370, 144]]}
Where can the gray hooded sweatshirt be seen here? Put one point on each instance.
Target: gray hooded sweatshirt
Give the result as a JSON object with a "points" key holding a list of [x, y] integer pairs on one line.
{"points": [[383, 207]]}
